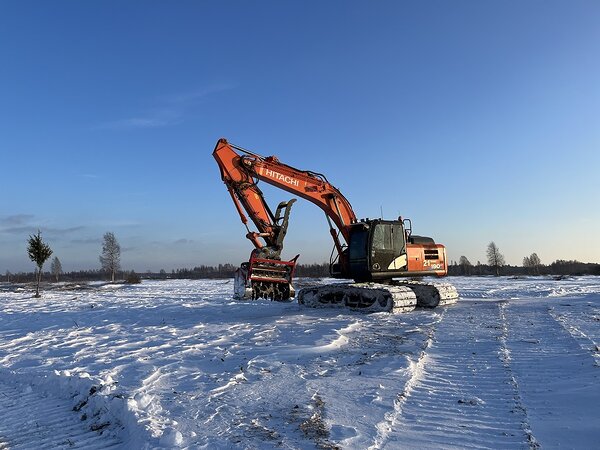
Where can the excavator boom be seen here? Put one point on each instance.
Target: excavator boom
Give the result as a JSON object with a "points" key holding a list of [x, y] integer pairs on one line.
{"points": [[242, 169]]}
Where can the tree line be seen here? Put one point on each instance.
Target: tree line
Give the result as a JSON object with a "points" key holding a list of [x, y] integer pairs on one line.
{"points": [[559, 267], [110, 266], [219, 271], [531, 265]]}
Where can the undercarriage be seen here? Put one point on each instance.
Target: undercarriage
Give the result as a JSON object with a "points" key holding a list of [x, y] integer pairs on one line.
{"points": [[396, 297]]}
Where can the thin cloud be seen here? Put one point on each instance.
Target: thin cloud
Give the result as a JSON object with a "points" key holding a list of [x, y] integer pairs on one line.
{"points": [[16, 219], [21, 224], [19, 230], [170, 111], [119, 224], [183, 241], [63, 231], [86, 241], [47, 230], [153, 119]]}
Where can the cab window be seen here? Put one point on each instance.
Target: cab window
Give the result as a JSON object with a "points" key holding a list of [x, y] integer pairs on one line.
{"points": [[389, 237]]}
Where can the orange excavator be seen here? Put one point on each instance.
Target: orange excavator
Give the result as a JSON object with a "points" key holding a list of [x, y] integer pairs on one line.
{"points": [[372, 252]]}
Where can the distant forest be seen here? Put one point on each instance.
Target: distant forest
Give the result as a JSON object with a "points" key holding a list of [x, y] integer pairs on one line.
{"points": [[558, 268], [199, 272]]}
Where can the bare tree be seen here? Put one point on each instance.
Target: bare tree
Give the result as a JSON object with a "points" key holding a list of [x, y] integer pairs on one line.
{"points": [[111, 255], [56, 268], [495, 258], [38, 252], [532, 262]]}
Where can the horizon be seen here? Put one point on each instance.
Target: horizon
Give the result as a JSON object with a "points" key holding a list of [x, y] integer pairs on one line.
{"points": [[123, 271], [478, 121]]}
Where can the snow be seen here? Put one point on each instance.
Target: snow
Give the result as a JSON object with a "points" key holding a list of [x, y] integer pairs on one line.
{"points": [[180, 364]]}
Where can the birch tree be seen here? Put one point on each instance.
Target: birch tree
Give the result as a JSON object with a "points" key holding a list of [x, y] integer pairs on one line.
{"points": [[111, 255], [532, 262], [56, 268]]}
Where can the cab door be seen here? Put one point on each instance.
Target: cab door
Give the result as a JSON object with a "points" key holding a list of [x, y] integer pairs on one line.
{"points": [[358, 254]]}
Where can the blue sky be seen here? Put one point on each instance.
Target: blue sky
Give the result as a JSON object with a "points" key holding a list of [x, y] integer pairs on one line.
{"points": [[478, 120]]}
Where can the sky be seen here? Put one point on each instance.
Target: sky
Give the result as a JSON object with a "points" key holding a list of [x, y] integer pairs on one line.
{"points": [[480, 121]]}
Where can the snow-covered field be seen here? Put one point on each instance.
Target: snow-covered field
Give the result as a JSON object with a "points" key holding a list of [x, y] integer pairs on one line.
{"points": [[515, 364]]}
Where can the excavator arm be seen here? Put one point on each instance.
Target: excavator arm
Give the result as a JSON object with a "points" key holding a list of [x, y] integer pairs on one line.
{"points": [[248, 198], [241, 169]]}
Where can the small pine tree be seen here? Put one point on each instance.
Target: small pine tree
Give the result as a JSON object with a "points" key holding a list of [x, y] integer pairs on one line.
{"points": [[38, 252]]}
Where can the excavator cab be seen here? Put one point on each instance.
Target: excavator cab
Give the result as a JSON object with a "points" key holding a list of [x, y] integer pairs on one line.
{"points": [[384, 249], [377, 250]]}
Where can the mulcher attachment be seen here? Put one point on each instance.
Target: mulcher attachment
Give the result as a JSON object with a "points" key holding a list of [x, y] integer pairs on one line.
{"points": [[397, 297], [265, 278]]}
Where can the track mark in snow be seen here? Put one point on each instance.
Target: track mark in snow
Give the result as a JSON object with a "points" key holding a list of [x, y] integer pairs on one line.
{"points": [[557, 378], [506, 359], [415, 372], [462, 394], [29, 420], [583, 326]]}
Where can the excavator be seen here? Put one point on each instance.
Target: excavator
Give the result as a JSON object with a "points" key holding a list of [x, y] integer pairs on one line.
{"points": [[371, 252]]}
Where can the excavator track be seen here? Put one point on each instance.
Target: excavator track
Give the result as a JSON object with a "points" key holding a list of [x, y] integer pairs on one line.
{"points": [[430, 295], [367, 297], [396, 297]]}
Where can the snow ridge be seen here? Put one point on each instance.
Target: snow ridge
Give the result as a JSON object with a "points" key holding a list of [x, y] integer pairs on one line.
{"points": [[92, 406], [416, 372]]}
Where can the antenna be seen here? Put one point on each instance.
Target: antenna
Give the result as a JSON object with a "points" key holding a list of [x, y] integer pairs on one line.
{"points": [[381, 210]]}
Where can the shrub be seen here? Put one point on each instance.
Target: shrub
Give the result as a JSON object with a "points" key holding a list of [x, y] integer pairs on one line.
{"points": [[133, 278]]}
